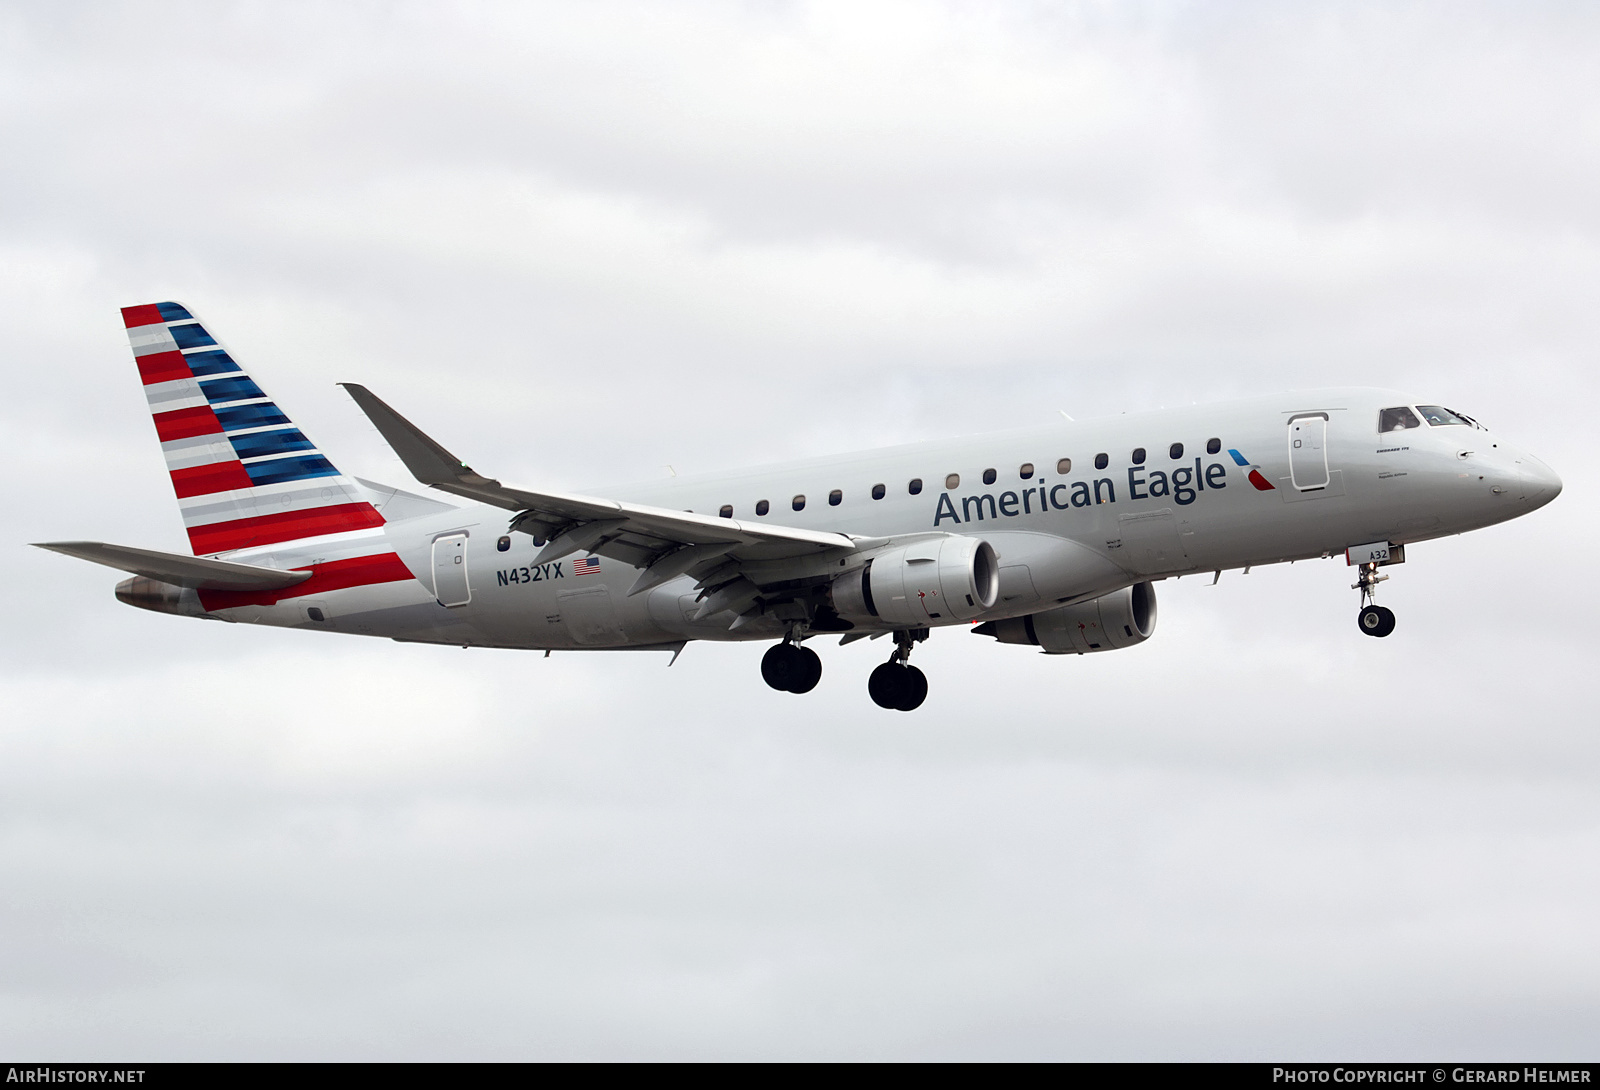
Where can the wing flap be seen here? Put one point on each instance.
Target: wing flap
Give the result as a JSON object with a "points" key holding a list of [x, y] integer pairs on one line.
{"points": [[181, 571]]}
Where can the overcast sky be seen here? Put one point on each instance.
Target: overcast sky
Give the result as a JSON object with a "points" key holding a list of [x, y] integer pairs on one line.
{"points": [[582, 243]]}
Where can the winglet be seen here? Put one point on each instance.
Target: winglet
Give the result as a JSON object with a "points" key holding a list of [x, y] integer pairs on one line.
{"points": [[428, 461]]}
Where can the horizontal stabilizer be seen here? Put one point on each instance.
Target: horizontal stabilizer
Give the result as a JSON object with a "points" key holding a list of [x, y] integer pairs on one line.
{"points": [[180, 571]]}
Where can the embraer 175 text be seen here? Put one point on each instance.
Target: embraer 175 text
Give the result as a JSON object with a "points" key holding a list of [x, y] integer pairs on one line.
{"points": [[1051, 536]]}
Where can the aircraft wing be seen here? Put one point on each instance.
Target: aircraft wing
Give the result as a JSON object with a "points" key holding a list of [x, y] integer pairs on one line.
{"points": [[181, 571], [667, 542]]}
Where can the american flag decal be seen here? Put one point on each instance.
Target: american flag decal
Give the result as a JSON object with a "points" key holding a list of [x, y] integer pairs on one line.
{"points": [[588, 565]]}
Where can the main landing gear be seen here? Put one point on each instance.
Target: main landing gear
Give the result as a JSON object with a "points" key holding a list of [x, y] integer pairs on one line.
{"points": [[1373, 618], [790, 668], [898, 685]]}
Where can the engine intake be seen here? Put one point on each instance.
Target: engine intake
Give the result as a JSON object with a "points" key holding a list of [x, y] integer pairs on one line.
{"points": [[938, 580], [1120, 619]]}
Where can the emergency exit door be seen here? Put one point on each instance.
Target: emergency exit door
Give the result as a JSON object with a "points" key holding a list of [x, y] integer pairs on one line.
{"points": [[1308, 452], [450, 570]]}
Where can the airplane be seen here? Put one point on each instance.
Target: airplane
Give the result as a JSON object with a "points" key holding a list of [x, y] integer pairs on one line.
{"points": [[1050, 537]]}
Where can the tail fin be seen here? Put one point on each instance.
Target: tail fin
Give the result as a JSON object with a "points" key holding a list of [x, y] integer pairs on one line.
{"points": [[245, 476]]}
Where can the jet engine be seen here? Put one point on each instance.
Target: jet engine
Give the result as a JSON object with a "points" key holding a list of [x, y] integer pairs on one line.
{"points": [[1120, 619], [939, 580]]}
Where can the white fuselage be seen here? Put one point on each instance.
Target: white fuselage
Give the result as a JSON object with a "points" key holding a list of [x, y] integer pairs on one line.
{"points": [[1060, 537]]}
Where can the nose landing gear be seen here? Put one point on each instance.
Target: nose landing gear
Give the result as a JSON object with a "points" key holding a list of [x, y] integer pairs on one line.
{"points": [[897, 685], [1373, 619], [790, 668]]}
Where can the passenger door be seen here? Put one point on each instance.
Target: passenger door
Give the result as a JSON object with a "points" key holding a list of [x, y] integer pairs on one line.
{"points": [[450, 570], [1308, 451]]}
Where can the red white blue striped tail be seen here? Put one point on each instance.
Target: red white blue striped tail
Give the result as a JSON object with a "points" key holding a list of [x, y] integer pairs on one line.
{"points": [[245, 476]]}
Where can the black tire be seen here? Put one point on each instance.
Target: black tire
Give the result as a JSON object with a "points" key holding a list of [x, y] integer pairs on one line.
{"points": [[887, 685], [805, 670], [916, 689], [1376, 621], [778, 666]]}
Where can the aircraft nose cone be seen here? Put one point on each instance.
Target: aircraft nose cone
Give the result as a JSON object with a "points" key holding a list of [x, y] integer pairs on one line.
{"points": [[1540, 483]]}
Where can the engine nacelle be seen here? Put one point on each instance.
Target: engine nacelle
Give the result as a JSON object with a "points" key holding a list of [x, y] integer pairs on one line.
{"points": [[934, 580], [1120, 619]]}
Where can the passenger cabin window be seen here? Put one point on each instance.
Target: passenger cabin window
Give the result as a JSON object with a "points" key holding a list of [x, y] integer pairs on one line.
{"points": [[1101, 461], [915, 487], [878, 491], [953, 481], [1064, 466], [798, 503], [1025, 471], [762, 507], [1138, 456], [1175, 452], [1398, 418], [989, 476], [1439, 416], [727, 511], [504, 544], [1213, 446], [835, 497]]}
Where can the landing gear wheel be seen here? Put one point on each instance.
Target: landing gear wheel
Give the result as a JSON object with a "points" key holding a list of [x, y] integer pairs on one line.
{"points": [[777, 666], [805, 670], [1373, 619], [790, 668], [1376, 620], [885, 684], [898, 687], [916, 690]]}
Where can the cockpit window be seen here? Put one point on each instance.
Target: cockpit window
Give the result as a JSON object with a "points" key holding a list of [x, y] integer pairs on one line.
{"points": [[1438, 416], [1398, 419]]}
